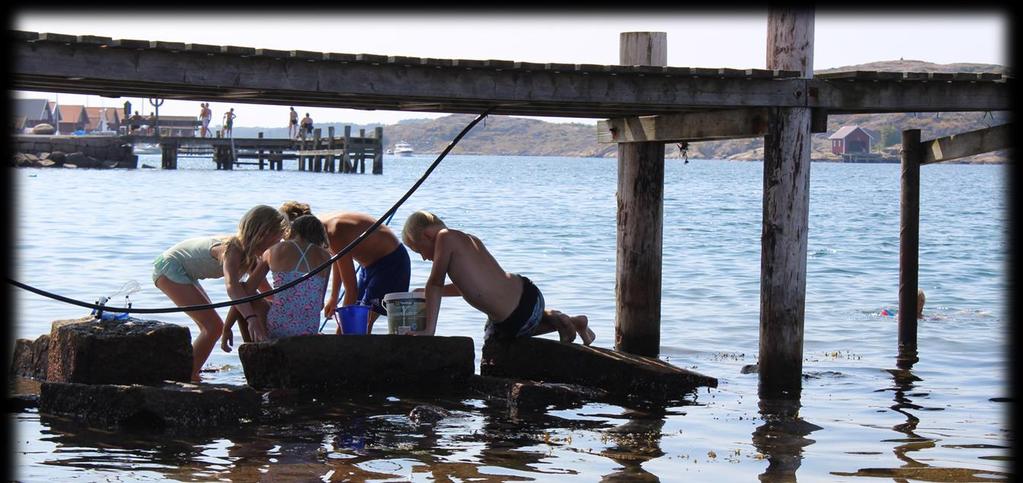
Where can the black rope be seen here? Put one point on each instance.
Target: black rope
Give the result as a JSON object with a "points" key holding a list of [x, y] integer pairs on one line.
{"points": [[188, 308]]}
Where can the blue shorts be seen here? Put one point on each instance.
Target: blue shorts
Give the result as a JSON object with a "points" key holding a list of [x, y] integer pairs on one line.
{"points": [[389, 274]]}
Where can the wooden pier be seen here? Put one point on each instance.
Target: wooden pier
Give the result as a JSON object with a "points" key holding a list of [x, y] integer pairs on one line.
{"points": [[645, 102], [330, 153]]}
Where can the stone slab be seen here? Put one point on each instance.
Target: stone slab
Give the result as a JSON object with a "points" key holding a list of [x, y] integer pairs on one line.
{"points": [[169, 406], [133, 351], [31, 357], [620, 374], [358, 364]]}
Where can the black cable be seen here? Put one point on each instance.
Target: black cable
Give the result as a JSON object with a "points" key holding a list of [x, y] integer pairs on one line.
{"points": [[343, 252]]}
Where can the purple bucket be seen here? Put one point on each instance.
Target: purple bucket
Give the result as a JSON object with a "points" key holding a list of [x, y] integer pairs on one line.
{"points": [[354, 319]]}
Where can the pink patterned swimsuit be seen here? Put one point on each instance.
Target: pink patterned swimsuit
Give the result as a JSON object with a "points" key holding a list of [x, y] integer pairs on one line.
{"points": [[296, 311]]}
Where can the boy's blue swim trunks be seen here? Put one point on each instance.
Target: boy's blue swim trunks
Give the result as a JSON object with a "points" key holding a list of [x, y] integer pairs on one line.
{"points": [[389, 274]]}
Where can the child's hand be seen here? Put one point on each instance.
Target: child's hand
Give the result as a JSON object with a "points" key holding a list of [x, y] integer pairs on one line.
{"points": [[330, 308], [257, 329], [418, 290], [227, 340]]}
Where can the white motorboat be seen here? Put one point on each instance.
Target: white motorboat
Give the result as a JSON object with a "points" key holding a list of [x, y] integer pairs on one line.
{"points": [[403, 148], [146, 148]]}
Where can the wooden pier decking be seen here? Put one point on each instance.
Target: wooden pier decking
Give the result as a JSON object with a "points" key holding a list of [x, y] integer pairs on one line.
{"points": [[317, 154]]}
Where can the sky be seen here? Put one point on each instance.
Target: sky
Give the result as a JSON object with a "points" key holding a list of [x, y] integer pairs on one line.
{"points": [[734, 39]]}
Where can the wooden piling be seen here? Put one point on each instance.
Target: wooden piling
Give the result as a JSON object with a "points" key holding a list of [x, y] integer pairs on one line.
{"points": [[262, 159], [785, 213], [909, 240], [330, 146], [362, 153], [378, 151], [317, 160], [640, 220], [347, 152]]}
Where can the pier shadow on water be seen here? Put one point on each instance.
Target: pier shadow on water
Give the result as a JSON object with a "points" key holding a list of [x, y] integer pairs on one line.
{"points": [[376, 439]]}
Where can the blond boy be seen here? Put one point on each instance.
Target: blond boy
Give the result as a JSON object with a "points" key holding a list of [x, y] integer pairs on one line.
{"points": [[513, 305]]}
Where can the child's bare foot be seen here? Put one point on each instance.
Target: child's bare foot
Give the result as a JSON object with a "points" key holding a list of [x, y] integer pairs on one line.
{"points": [[566, 331], [581, 324]]}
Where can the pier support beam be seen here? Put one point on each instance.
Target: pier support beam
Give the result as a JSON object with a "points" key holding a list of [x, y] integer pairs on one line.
{"points": [[909, 243], [785, 212], [640, 219], [378, 151]]}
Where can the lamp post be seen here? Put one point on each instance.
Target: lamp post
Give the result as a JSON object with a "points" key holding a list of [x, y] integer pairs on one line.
{"points": [[156, 103]]}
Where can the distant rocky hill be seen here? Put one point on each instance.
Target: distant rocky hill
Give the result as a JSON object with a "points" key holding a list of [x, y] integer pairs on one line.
{"points": [[505, 135]]}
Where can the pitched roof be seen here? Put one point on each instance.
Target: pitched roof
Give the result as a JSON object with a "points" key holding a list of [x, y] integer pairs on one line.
{"points": [[71, 112], [31, 109], [94, 114], [847, 130]]}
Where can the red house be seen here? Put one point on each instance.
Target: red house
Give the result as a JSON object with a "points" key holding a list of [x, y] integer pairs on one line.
{"points": [[850, 140]]}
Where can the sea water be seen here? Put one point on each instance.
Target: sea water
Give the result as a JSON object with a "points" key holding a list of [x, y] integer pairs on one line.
{"points": [[85, 233]]}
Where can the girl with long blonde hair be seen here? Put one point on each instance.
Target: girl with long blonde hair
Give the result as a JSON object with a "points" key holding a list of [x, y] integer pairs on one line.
{"points": [[177, 271]]}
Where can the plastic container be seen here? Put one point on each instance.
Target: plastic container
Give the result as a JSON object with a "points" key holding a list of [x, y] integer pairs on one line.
{"points": [[406, 312], [354, 319]]}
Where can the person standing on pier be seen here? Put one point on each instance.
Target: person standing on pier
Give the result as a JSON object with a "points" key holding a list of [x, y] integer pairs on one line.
{"points": [[134, 122], [176, 272], [205, 114], [293, 124], [229, 117], [307, 126]]}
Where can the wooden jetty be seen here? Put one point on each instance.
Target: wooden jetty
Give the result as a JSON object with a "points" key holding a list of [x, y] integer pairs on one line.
{"points": [[645, 102], [317, 154]]}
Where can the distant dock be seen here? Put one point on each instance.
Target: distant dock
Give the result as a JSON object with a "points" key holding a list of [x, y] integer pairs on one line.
{"points": [[317, 154]]}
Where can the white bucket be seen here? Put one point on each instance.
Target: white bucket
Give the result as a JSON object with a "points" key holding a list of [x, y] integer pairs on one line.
{"points": [[406, 312]]}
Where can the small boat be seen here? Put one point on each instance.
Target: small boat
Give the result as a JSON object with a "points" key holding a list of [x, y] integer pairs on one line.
{"points": [[146, 148], [402, 148]]}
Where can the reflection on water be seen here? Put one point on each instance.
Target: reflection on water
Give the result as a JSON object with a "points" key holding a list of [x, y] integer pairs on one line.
{"points": [[782, 438]]}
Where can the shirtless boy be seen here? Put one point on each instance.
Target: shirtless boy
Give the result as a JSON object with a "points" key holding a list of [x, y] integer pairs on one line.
{"points": [[385, 261], [513, 305]]}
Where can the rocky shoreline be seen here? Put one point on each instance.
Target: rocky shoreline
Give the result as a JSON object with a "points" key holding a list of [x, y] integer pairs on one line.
{"points": [[59, 159]]}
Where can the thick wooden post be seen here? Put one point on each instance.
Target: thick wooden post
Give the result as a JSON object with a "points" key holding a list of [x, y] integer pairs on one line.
{"points": [[317, 160], [786, 212], [262, 159], [347, 152], [378, 151], [909, 242], [330, 146], [640, 220], [362, 151]]}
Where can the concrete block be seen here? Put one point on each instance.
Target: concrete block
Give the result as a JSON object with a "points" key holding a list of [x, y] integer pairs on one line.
{"points": [[352, 364], [618, 373], [31, 357], [169, 406], [132, 351]]}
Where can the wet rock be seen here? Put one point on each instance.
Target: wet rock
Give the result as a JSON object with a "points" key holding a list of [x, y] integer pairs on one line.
{"points": [[427, 414], [619, 373], [173, 405], [132, 351], [81, 160], [358, 364], [750, 369], [31, 357], [19, 403], [537, 396]]}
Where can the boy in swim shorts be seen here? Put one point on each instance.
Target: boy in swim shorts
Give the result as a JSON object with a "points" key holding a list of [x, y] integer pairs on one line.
{"points": [[513, 304]]}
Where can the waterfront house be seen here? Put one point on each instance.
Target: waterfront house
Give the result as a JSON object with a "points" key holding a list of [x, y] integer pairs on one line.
{"points": [[30, 112], [71, 118], [851, 140], [102, 119]]}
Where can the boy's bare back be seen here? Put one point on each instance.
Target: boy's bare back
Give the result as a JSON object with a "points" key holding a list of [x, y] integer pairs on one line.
{"points": [[464, 259]]}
